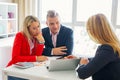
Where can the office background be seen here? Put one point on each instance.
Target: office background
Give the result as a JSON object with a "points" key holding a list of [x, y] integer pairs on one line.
{"points": [[74, 14]]}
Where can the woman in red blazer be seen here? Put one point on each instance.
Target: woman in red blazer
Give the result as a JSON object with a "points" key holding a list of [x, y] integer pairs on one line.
{"points": [[29, 43]]}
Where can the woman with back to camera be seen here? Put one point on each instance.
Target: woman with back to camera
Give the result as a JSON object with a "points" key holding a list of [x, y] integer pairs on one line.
{"points": [[106, 63], [28, 44]]}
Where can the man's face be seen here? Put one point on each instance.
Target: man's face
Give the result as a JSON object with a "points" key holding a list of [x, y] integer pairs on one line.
{"points": [[53, 24]]}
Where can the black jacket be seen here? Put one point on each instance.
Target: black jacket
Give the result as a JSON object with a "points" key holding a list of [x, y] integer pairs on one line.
{"points": [[64, 38], [104, 66]]}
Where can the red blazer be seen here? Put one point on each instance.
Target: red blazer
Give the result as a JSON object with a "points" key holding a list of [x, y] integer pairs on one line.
{"points": [[21, 50]]}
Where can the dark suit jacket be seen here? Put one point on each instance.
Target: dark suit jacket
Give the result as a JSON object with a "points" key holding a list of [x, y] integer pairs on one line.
{"points": [[104, 66], [64, 38]]}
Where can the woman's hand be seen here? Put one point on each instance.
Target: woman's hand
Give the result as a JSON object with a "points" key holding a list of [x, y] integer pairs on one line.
{"points": [[41, 58], [40, 38], [84, 61], [70, 57]]}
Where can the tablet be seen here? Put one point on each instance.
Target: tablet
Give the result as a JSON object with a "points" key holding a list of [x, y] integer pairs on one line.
{"points": [[62, 64]]}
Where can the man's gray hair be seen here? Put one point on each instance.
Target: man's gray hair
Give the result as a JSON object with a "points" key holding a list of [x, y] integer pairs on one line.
{"points": [[52, 13]]}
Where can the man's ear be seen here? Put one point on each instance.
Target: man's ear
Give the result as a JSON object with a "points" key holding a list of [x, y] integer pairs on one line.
{"points": [[46, 23]]}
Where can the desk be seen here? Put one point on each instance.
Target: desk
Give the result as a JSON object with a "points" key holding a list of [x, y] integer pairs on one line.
{"points": [[39, 73]]}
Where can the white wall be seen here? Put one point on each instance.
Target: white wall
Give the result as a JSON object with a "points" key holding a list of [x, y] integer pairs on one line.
{"points": [[4, 58], [5, 52], [6, 1]]}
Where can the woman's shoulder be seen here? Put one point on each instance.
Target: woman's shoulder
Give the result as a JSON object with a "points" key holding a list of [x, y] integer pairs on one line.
{"points": [[106, 47], [20, 35]]}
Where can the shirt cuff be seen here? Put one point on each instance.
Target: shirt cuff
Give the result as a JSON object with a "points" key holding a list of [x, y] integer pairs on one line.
{"points": [[41, 42], [76, 69], [79, 65], [52, 51]]}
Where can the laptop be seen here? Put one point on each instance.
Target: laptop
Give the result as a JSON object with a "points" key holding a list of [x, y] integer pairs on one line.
{"points": [[62, 64]]}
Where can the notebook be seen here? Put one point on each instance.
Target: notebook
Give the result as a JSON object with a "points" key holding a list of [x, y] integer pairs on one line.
{"points": [[24, 65], [62, 64]]}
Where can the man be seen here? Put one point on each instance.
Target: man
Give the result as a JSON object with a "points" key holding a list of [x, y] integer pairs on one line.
{"points": [[58, 38]]}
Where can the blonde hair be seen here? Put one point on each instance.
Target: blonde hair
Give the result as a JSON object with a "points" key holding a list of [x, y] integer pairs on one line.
{"points": [[101, 32], [26, 24]]}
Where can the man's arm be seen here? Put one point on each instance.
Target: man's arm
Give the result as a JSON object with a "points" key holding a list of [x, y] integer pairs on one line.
{"points": [[48, 46], [69, 42], [47, 51]]}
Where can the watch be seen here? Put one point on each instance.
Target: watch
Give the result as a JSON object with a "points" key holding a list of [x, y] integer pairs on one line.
{"points": [[41, 42]]}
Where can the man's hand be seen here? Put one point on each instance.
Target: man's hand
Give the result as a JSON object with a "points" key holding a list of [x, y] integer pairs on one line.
{"points": [[59, 50], [70, 57]]}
